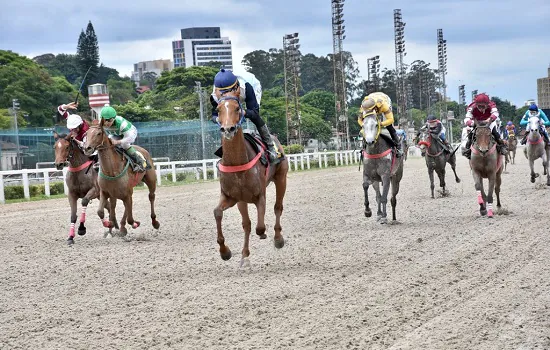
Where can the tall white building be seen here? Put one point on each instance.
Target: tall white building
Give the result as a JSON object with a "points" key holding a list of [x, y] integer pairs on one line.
{"points": [[156, 66], [200, 46]]}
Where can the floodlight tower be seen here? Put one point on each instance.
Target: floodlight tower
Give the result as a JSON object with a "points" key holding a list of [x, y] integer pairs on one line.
{"points": [[340, 97], [291, 63], [400, 70]]}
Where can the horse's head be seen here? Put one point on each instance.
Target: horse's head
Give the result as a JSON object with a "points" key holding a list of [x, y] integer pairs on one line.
{"points": [[230, 116], [96, 138], [483, 137], [63, 150], [423, 140], [534, 122], [371, 127]]}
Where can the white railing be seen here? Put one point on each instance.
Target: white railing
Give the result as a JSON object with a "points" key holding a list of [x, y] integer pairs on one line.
{"points": [[200, 168]]}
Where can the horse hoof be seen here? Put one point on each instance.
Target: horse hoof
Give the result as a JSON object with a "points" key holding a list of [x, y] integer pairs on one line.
{"points": [[368, 213], [81, 231], [156, 225], [245, 263], [490, 214], [457, 180], [383, 221], [262, 236], [135, 224], [107, 224], [483, 212], [227, 255], [532, 180], [70, 241], [123, 232], [279, 243]]}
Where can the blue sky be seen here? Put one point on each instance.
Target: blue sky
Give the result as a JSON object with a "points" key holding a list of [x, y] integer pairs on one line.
{"points": [[499, 47]]}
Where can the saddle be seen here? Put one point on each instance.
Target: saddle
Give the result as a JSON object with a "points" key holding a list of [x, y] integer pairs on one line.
{"points": [[135, 166], [257, 145]]}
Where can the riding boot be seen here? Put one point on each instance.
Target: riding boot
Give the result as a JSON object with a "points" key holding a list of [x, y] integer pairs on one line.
{"points": [[467, 152], [140, 164], [501, 145], [396, 141], [447, 145], [268, 140], [524, 139]]}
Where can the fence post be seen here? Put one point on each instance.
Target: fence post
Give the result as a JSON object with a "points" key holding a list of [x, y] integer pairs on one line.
{"points": [[65, 187], [173, 172], [215, 169], [2, 195], [341, 159], [308, 163], [26, 190], [326, 160], [204, 173], [320, 161], [159, 180], [302, 161], [47, 183]]}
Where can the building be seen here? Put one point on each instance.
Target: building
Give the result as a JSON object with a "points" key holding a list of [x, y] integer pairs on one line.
{"points": [[543, 91], [156, 66], [529, 102], [200, 46]]}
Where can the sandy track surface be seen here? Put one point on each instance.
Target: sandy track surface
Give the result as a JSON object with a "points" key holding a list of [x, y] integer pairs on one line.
{"points": [[442, 277]]}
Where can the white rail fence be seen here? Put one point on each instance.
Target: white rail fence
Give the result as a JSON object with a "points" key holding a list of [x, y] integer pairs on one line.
{"points": [[200, 168]]}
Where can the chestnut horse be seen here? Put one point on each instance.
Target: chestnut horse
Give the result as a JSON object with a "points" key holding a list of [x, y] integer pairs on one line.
{"points": [[117, 179], [486, 163], [512, 146], [380, 166], [81, 179], [243, 179]]}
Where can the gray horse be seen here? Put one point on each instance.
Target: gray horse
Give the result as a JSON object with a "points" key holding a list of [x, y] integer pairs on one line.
{"points": [[380, 166], [536, 149], [436, 159]]}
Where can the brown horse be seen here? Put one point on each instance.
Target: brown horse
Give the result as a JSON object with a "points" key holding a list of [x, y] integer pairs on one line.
{"points": [[486, 163], [436, 159], [243, 179], [81, 179], [117, 179], [512, 147]]}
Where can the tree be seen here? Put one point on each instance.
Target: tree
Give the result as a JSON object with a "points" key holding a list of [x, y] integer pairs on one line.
{"points": [[121, 91], [149, 79], [264, 65], [87, 54], [322, 100], [104, 74]]}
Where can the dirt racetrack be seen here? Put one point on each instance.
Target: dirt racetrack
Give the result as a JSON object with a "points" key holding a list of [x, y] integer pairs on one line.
{"points": [[441, 278]]}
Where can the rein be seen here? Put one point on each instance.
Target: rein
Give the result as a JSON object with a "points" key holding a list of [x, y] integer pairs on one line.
{"points": [[232, 98]]}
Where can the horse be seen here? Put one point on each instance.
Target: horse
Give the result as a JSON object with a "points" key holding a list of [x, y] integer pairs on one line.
{"points": [[512, 147], [81, 180], [436, 159], [380, 165], [536, 148], [117, 179], [243, 179], [486, 163]]}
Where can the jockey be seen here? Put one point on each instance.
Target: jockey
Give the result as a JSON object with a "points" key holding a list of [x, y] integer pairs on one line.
{"points": [[381, 104], [77, 127], [511, 128], [123, 134], [436, 127], [534, 111], [249, 90], [502, 130], [482, 109]]}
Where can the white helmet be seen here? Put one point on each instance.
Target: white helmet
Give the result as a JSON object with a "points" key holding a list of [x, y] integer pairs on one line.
{"points": [[74, 121]]}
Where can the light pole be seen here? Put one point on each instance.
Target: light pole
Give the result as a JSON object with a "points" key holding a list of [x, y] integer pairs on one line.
{"points": [[15, 107], [373, 67], [199, 90], [291, 66]]}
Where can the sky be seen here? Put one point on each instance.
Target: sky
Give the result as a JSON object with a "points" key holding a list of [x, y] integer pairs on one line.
{"points": [[500, 47]]}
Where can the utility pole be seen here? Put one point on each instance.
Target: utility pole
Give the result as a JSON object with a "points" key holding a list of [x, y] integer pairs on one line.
{"points": [[15, 107], [199, 90]]}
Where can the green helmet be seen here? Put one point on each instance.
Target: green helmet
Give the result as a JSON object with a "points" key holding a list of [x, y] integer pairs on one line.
{"points": [[108, 112]]}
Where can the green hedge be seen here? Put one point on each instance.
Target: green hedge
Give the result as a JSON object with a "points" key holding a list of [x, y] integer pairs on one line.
{"points": [[17, 192], [293, 149]]}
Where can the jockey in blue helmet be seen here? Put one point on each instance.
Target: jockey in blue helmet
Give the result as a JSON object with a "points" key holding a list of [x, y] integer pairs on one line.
{"points": [[534, 111], [249, 90]]}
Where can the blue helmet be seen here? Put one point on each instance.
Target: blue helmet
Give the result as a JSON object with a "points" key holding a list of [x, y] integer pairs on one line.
{"points": [[225, 80], [533, 107], [431, 118], [509, 123]]}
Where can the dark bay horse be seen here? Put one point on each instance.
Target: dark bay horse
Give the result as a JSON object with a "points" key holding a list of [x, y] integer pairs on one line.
{"points": [[486, 163], [380, 166], [243, 179], [117, 179], [536, 148], [81, 179], [436, 159]]}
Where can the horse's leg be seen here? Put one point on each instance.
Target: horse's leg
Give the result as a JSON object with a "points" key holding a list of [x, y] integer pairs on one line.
{"points": [[379, 212], [492, 180], [545, 167], [431, 175], [452, 161], [532, 166], [128, 203], [280, 190], [368, 212], [92, 193], [394, 192], [151, 183], [72, 203], [441, 175], [123, 230], [103, 200], [260, 225], [384, 198], [498, 182], [223, 204], [478, 180], [247, 227]]}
